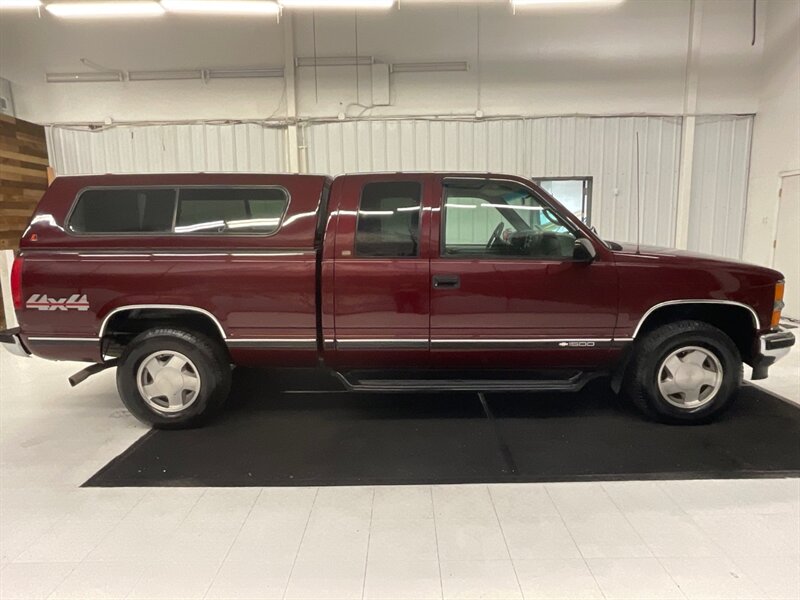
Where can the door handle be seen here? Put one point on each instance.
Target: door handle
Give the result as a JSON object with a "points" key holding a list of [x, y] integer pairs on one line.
{"points": [[446, 281]]}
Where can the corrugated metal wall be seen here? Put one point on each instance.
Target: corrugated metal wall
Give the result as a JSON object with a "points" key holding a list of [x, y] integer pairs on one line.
{"points": [[601, 147], [720, 170], [239, 147]]}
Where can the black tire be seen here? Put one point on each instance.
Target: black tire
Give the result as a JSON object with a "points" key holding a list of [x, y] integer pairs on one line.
{"points": [[209, 362], [641, 383]]}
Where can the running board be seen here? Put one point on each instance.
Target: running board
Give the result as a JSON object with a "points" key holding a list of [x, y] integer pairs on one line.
{"points": [[371, 382]]}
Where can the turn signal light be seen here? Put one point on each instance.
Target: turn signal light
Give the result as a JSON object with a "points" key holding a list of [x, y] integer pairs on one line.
{"points": [[16, 283], [777, 307]]}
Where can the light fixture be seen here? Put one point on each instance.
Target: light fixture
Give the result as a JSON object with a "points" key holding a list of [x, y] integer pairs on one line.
{"points": [[88, 77], [333, 61], [565, 3], [321, 4], [90, 10], [19, 4], [244, 73], [222, 7], [429, 67], [165, 75]]}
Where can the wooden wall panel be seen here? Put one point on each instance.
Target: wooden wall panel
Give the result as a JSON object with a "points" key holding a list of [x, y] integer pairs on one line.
{"points": [[23, 178]]}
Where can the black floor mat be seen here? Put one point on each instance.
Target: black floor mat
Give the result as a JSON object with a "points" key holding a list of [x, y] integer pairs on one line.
{"points": [[293, 428]]}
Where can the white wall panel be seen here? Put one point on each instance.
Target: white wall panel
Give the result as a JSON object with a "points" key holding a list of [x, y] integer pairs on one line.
{"points": [[240, 147], [600, 147], [719, 184]]}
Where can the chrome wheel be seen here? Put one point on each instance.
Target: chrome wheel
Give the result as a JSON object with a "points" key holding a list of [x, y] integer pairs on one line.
{"points": [[690, 377], [168, 381]]}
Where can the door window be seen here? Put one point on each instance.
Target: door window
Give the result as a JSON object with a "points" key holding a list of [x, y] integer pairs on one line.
{"points": [[502, 219], [388, 219], [575, 193]]}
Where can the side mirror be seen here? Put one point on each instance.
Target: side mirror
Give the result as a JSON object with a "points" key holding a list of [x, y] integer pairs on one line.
{"points": [[584, 250]]}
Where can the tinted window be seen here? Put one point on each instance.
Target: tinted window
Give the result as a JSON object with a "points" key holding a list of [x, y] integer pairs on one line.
{"points": [[124, 211], [388, 219], [230, 210], [492, 218]]}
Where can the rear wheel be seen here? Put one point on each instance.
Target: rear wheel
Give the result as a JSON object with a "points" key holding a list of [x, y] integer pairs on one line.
{"points": [[173, 378], [684, 372]]}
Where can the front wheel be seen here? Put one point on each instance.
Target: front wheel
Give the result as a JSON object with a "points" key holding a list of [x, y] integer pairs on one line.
{"points": [[172, 378], [684, 372]]}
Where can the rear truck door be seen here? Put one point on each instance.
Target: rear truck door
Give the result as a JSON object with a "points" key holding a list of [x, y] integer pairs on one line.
{"points": [[378, 268], [506, 288]]}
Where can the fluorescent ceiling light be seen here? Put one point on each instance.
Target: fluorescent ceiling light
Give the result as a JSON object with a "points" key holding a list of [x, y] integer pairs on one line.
{"points": [[89, 10], [333, 61], [337, 3], [429, 67], [244, 73], [164, 75], [222, 7], [87, 77], [14, 4], [565, 3]]}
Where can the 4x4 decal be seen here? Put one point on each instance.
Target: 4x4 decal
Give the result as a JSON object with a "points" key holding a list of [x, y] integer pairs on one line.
{"points": [[43, 302]]}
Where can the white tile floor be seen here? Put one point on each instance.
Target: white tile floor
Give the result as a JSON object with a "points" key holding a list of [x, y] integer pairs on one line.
{"points": [[638, 540]]}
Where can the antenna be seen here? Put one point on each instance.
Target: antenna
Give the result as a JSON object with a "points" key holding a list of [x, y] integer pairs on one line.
{"points": [[638, 200]]}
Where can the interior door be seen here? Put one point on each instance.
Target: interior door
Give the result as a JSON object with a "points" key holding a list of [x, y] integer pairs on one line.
{"points": [[787, 243], [508, 290], [382, 273]]}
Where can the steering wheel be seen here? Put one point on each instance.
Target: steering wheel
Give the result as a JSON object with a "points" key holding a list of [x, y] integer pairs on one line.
{"points": [[495, 235]]}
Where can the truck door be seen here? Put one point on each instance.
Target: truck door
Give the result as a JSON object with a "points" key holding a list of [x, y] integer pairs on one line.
{"points": [[381, 272], [507, 289]]}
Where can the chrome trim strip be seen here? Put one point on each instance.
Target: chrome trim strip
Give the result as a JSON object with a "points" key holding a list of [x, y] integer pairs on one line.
{"points": [[526, 340], [652, 309], [557, 343], [286, 343], [377, 343], [150, 253], [93, 340], [183, 307]]}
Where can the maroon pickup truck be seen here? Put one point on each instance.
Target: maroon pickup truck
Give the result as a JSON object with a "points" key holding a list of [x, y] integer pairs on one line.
{"points": [[399, 282]]}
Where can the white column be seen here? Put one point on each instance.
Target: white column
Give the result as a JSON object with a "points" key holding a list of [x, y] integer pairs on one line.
{"points": [[689, 124], [293, 150]]}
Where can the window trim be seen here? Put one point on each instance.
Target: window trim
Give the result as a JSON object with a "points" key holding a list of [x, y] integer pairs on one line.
{"points": [[421, 185], [171, 233], [575, 231]]}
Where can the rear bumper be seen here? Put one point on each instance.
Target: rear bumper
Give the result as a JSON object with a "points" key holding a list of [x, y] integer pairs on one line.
{"points": [[771, 347], [10, 340]]}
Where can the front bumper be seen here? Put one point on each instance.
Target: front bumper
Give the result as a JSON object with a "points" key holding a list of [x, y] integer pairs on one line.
{"points": [[771, 347], [10, 340]]}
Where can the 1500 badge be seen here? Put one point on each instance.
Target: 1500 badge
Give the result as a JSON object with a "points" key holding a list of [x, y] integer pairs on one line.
{"points": [[43, 302]]}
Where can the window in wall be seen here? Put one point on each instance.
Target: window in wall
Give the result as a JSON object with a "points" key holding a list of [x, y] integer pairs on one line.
{"points": [[575, 193], [230, 210], [388, 219], [124, 210], [501, 219]]}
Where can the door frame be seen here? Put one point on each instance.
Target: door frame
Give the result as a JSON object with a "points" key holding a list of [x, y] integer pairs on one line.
{"points": [[777, 212]]}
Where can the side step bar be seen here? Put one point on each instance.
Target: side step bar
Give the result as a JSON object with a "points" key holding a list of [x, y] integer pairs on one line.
{"points": [[375, 384]]}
